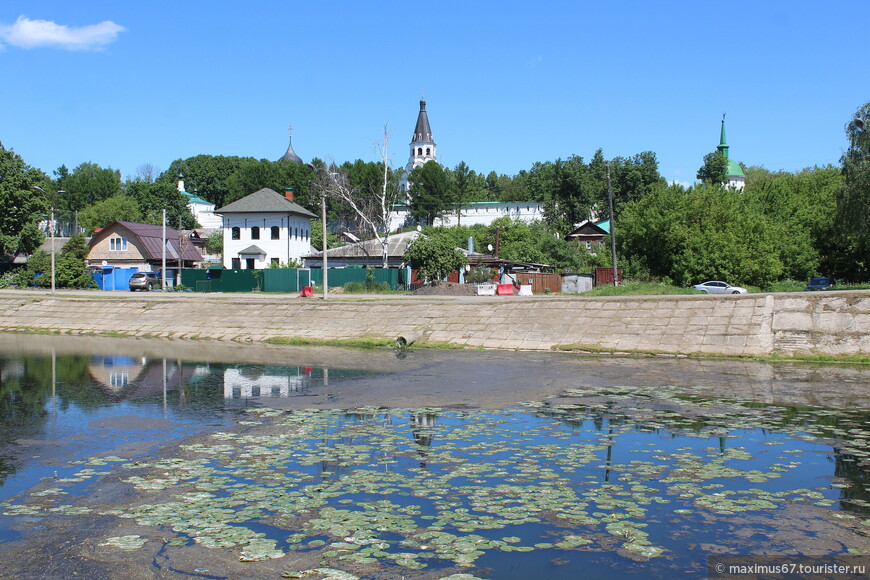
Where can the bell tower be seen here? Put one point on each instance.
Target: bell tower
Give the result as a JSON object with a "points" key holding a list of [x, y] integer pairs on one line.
{"points": [[422, 145]]}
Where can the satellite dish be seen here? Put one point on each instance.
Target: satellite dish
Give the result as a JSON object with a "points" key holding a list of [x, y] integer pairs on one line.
{"points": [[489, 247], [105, 263], [419, 228]]}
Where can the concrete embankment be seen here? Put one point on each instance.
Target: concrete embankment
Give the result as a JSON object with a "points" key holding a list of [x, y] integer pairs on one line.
{"points": [[832, 323]]}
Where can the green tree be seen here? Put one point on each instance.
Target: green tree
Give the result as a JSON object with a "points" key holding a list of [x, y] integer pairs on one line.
{"points": [[435, 257], [205, 175], [853, 199], [702, 233], [431, 192], [153, 198], [715, 169], [214, 244], [71, 270], [86, 185], [801, 208], [332, 240], [102, 213], [252, 175], [569, 190], [632, 178], [468, 186], [23, 207]]}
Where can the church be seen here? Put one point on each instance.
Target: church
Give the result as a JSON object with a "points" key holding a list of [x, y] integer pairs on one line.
{"points": [[735, 177], [423, 149]]}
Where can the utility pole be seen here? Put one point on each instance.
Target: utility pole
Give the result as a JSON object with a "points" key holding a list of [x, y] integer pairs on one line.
{"points": [[51, 229], [612, 228], [323, 223], [163, 256], [180, 249]]}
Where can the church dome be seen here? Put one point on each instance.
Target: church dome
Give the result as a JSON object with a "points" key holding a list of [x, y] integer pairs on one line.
{"points": [[734, 169], [290, 155]]}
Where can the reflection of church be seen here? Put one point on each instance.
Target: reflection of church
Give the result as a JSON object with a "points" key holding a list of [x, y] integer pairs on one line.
{"points": [[273, 382]]}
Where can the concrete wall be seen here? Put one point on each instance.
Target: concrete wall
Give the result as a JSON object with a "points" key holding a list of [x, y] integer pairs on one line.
{"points": [[756, 324]]}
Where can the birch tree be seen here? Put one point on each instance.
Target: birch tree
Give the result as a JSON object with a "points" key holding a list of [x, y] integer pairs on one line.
{"points": [[372, 208]]}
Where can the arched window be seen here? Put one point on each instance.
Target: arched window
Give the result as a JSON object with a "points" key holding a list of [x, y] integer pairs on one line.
{"points": [[419, 151], [255, 233], [237, 233], [428, 152], [276, 233]]}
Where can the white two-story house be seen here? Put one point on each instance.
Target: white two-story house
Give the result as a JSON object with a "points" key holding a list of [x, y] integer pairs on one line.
{"points": [[265, 228]]}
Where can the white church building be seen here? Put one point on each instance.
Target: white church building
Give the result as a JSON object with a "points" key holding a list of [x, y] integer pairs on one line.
{"points": [[424, 149]]}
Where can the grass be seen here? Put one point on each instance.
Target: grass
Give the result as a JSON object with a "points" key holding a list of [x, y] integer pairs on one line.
{"points": [[846, 359], [657, 289], [362, 342], [638, 289], [367, 288]]}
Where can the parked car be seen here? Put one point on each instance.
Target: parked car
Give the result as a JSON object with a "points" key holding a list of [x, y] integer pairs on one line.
{"points": [[717, 287], [820, 284], [144, 281]]}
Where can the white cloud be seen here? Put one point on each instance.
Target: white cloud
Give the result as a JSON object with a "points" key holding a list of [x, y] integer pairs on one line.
{"points": [[26, 33]]}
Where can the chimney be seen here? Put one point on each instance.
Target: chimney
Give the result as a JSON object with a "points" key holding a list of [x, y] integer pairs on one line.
{"points": [[288, 193]]}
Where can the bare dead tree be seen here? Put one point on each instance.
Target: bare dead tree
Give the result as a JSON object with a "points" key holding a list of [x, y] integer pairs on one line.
{"points": [[146, 173], [372, 210]]}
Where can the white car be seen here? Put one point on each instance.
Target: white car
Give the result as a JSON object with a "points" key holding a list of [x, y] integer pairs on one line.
{"points": [[716, 287]]}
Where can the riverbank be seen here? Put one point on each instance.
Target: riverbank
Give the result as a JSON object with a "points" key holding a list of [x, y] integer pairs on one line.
{"points": [[830, 323]]}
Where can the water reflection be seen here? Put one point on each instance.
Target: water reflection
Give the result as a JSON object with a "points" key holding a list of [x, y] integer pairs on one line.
{"points": [[846, 431], [254, 382], [49, 397], [331, 443]]}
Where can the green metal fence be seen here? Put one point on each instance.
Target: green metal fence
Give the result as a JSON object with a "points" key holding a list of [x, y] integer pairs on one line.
{"points": [[286, 279], [283, 279], [340, 276]]}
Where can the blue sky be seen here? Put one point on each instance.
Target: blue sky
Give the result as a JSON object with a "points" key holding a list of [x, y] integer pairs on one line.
{"points": [[507, 83]]}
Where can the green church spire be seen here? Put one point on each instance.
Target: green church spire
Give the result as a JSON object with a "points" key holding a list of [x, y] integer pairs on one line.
{"points": [[723, 146]]}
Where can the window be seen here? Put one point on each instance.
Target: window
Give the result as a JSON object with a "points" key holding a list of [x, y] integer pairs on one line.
{"points": [[428, 152], [236, 233], [276, 233], [419, 151], [255, 233], [117, 244], [296, 234], [119, 380], [236, 264]]}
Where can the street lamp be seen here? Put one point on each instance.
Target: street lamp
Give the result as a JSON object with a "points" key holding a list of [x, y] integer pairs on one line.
{"points": [[50, 228], [323, 223]]}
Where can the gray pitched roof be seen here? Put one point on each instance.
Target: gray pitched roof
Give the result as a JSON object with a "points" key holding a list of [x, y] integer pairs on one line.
{"points": [[252, 250], [422, 132], [265, 201], [151, 238], [397, 245]]}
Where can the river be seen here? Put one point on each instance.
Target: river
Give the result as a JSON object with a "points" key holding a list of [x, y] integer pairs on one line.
{"points": [[162, 459]]}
